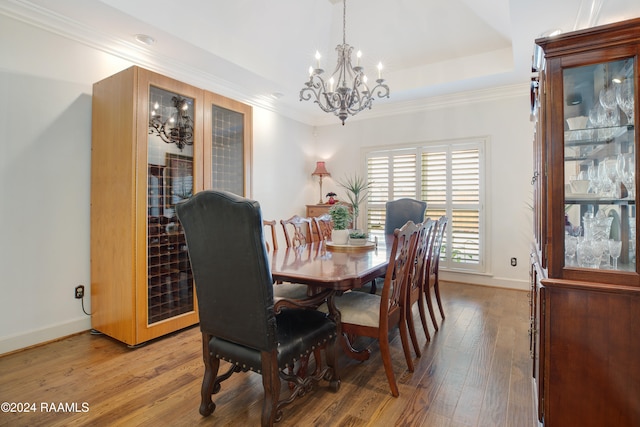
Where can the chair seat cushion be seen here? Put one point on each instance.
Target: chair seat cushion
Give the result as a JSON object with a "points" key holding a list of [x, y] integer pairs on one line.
{"points": [[299, 333], [358, 308]]}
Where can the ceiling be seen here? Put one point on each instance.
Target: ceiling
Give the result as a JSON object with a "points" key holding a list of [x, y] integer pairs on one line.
{"points": [[259, 51]]}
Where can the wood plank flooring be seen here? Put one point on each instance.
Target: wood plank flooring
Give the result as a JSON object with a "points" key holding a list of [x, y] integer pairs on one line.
{"points": [[476, 371]]}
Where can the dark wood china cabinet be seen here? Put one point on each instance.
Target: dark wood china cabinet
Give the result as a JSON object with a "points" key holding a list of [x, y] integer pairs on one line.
{"points": [[585, 281], [155, 141]]}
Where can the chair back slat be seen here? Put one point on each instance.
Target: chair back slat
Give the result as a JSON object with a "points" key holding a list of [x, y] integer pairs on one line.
{"points": [[297, 230], [322, 226]]}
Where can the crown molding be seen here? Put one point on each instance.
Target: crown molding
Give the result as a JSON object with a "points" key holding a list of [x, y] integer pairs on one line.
{"points": [[438, 102], [45, 19]]}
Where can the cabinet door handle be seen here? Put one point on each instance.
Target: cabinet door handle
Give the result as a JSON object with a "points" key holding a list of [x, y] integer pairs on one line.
{"points": [[534, 178]]}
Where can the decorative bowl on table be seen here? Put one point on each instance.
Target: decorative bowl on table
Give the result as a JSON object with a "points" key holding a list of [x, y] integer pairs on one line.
{"points": [[357, 241]]}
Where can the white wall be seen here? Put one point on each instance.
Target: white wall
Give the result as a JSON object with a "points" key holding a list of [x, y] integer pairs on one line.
{"points": [[45, 150]]}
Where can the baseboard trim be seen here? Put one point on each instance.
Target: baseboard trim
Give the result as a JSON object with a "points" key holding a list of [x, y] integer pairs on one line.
{"points": [[41, 336], [485, 280]]}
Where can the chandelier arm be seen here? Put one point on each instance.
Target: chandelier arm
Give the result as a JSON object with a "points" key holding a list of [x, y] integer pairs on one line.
{"points": [[316, 89], [382, 90]]}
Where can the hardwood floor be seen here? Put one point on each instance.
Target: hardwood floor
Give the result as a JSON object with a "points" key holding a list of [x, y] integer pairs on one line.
{"points": [[476, 371]]}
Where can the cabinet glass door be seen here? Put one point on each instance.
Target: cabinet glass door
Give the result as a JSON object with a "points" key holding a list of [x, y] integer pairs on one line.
{"points": [[227, 150], [227, 145], [599, 166], [170, 167]]}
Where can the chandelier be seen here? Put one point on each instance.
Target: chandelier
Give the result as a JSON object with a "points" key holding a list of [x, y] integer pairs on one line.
{"points": [[175, 129], [346, 92]]}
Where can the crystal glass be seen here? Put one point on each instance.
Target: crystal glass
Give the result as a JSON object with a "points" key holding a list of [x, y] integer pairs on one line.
{"points": [[606, 186], [615, 248], [570, 247], [624, 98], [625, 168], [589, 254], [594, 179], [608, 98]]}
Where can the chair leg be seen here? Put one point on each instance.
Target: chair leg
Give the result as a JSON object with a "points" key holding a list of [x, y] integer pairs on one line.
{"points": [[211, 366], [271, 384], [423, 316], [373, 288], [436, 289], [404, 337], [412, 329], [331, 354], [427, 294], [385, 353]]}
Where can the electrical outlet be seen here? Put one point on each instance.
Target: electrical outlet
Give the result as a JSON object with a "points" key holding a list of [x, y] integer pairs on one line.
{"points": [[79, 292], [514, 261]]}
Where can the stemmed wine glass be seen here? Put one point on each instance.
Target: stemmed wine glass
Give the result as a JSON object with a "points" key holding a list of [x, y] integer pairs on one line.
{"points": [[625, 167], [594, 181], [608, 98], [570, 247], [606, 187], [615, 247], [624, 98]]}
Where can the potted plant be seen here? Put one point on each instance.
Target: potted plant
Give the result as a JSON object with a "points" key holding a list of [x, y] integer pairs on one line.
{"points": [[341, 217], [357, 190], [357, 238]]}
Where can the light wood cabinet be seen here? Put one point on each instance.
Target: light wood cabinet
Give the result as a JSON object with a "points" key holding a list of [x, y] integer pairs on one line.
{"points": [[585, 300], [143, 163]]}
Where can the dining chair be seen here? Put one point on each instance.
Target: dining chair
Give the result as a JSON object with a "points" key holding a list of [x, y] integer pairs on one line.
{"points": [[432, 280], [398, 212], [370, 315], [238, 322], [322, 226], [415, 285], [292, 291], [297, 230]]}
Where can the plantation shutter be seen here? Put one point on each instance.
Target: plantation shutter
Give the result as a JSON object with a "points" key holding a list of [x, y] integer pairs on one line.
{"points": [[449, 177]]}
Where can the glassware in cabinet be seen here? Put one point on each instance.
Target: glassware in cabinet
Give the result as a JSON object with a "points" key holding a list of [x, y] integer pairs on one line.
{"points": [[599, 165]]}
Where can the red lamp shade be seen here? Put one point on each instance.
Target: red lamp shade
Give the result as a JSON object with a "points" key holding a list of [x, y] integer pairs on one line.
{"points": [[321, 170]]}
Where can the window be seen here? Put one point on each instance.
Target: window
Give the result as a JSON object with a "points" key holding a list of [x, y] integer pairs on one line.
{"points": [[449, 177]]}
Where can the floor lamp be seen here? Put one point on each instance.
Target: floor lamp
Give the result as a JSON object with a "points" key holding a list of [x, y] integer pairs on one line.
{"points": [[320, 171]]}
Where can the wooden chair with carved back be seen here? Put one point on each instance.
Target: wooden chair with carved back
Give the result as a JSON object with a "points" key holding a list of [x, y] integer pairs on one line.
{"points": [[371, 315]]}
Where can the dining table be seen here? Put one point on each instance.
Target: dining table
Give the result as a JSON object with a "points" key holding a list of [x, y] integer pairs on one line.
{"points": [[334, 269], [323, 265]]}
